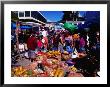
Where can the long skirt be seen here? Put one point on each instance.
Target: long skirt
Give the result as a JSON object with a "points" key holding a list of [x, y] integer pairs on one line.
{"points": [[31, 54]]}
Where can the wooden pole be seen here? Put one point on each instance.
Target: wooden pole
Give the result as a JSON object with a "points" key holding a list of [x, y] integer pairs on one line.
{"points": [[17, 41]]}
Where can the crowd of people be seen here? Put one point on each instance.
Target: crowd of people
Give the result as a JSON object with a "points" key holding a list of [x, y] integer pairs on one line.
{"points": [[47, 40]]}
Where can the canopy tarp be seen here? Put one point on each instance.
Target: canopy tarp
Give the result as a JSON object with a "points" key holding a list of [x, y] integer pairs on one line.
{"points": [[13, 26], [70, 27]]}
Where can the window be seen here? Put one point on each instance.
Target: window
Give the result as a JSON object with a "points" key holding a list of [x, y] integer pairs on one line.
{"points": [[16, 13], [27, 13], [21, 14]]}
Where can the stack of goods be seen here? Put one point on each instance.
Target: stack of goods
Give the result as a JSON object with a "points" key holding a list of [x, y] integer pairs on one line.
{"points": [[48, 64], [53, 54]]}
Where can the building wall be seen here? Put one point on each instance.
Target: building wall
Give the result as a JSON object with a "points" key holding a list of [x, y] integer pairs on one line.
{"points": [[34, 14]]}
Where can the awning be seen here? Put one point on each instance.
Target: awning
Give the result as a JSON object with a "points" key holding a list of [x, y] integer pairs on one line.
{"points": [[13, 26]]}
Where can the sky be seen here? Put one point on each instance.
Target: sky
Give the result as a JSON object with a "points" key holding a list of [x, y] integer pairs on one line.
{"points": [[54, 16]]}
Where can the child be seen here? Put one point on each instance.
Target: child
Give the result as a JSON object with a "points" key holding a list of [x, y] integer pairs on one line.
{"points": [[39, 44], [21, 49]]}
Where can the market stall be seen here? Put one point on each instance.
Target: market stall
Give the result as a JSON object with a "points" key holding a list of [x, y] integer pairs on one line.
{"points": [[49, 64]]}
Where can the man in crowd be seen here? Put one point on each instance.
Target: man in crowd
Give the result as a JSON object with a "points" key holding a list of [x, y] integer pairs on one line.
{"points": [[31, 44]]}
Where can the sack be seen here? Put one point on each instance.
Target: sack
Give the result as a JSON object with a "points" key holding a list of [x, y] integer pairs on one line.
{"points": [[74, 55], [26, 55]]}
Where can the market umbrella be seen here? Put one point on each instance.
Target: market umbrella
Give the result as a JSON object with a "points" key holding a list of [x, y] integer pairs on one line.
{"points": [[70, 27]]}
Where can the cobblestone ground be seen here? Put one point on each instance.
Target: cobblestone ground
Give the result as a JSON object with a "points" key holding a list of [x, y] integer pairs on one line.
{"points": [[23, 62]]}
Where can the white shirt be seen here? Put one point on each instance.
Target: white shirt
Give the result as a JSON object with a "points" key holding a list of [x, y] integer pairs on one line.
{"points": [[21, 47], [44, 33], [87, 40]]}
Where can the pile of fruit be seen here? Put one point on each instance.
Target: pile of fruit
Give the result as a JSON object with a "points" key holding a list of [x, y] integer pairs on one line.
{"points": [[21, 72], [53, 53], [58, 72], [47, 65]]}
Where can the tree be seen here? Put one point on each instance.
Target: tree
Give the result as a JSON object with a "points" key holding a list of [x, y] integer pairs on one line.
{"points": [[75, 15], [14, 16], [68, 16]]}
